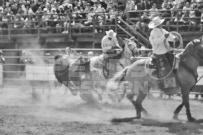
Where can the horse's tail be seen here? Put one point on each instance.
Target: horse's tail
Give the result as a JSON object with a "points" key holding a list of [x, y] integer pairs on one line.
{"points": [[57, 57], [115, 82]]}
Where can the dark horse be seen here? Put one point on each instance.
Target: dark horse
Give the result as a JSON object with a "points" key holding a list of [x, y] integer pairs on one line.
{"points": [[137, 74], [71, 72]]}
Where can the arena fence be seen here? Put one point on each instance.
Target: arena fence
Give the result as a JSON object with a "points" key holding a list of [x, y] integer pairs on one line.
{"points": [[37, 69]]}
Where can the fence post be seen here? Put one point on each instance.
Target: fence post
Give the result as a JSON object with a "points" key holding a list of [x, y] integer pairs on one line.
{"points": [[94, 26], [38, 28], [177, 23], [68, 15], [9, 29]]}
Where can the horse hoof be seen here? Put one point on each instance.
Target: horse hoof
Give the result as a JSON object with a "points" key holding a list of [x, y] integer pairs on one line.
{"points": [[147, 115], [191, 119], [138, 117], [175, 117]]}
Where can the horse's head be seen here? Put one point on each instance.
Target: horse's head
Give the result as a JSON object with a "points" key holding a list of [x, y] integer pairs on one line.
{"points": [[130, 45], [57, 57], [129, 48], [195, 49], [199, 51]]}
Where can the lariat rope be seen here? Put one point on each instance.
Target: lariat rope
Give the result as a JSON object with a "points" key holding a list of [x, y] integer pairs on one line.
{"points": [[174, 59]]}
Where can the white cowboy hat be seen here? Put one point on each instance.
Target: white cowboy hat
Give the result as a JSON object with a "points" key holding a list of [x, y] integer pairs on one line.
{"points": [[111, 33], [90, 53], [156, 21]]}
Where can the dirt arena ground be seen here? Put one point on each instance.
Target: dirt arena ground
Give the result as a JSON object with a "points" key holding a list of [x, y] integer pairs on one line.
{"points": [[64, 114]]}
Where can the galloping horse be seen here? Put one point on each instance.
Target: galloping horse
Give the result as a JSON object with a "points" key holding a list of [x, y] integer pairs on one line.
{"points": [[138, 74], [98, 65], [70, 71], [75, 73]]}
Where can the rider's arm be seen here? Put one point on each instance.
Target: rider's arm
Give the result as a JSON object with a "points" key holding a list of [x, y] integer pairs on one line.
{"points": [[105, 47], [171, 37], [116, 42]]}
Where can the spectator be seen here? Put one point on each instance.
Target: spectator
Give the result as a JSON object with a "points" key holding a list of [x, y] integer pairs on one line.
{"points": [[90, 54], [142, 24], [153, 11], [59, 24], [144, 4], [130, 5], [19, 22], [87, 8], [99, 15], [103, 4], [68, 53], [66, 24], [193, 19], [186, 7], [89, 17], [112, 15], [28, 24], [185, 20]]}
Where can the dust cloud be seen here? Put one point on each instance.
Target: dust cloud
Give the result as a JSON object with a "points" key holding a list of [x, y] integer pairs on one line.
{"points": [[59, 103]]}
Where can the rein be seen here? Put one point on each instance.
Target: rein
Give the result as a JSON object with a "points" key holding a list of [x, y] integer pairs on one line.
{"points": [[196, 82]]}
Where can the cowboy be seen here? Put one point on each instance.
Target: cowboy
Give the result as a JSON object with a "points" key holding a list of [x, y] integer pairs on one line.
{"points": [[159, 39], [2, 59], [68, 53], [25, 58], [109, 43]]}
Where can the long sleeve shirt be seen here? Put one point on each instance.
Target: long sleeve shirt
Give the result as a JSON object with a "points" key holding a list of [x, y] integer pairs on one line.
{"points": [[158, 41], [107, 44]]}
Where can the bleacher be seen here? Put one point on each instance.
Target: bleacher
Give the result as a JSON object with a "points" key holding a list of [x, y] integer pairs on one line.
{"points": [[76, 33]]}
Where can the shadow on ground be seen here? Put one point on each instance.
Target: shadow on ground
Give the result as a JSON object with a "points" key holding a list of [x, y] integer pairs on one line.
{"points": [[174, 126]]}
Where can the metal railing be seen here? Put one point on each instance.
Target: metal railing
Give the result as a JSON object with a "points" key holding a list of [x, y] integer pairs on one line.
{"points": [[100, 21], [14, 74]]}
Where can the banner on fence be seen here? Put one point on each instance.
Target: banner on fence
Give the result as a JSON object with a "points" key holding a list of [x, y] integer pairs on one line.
{"points": [[200, 73], [1, 74], [40, 73]]}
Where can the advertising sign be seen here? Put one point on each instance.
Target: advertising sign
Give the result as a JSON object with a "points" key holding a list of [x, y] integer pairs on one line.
{"points": [[40, 72], [200, 73]]}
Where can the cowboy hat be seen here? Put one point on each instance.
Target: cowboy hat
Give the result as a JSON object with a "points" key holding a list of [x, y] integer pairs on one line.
{"points": [[156, 21], [111, 33]]}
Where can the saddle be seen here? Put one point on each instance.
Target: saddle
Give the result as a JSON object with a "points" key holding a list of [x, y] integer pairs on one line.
{"points": [[107, 62], [164, 70], [110, 61]]}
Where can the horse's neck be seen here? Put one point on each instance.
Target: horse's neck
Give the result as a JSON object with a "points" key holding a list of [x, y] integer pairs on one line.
{"points": [[191, 62], [127, 54]]}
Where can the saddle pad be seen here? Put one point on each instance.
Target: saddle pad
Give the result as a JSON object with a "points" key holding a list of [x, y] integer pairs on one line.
{"points": [[99, 62]]}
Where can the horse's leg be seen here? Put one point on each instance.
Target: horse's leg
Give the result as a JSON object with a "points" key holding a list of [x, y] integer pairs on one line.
{"points": [[139, 101], [176, 112], [185, 97], [137, 107]]}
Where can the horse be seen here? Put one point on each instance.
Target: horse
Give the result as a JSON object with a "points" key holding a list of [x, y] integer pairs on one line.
{"points": [[84, 74], [138, 75], [70, 72], [98, 66]]}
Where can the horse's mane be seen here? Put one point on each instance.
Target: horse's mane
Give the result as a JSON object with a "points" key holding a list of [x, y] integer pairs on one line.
{"points": [[57, 57], [189, 48]]}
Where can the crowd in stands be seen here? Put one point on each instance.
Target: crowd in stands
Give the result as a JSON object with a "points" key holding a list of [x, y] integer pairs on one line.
{"points": [[188, 14], [58, 15]]}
